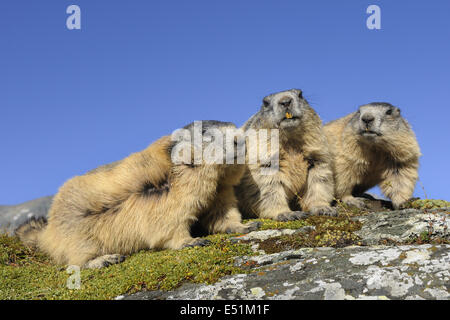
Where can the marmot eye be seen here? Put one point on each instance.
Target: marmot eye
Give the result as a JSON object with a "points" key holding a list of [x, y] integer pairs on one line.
{"points": [[389, 112]]}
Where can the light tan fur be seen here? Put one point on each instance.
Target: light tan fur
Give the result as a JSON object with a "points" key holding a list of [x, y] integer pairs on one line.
{"points": [[304, 179], [141, 202], [390, 160]]}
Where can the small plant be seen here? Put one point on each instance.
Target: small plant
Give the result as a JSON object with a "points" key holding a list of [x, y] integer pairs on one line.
{"points": [[427, 204], [424, 236]]}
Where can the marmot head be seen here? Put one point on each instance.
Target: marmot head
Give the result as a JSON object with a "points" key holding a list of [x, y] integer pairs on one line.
{"points": [[375, 120], [282, 110], [207, 142]]}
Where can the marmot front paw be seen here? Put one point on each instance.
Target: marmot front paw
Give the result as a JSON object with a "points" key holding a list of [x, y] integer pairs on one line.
{"points": [[104, 261], [292, 215], [197, 242], [357, 202], [245, 228], [324, 211]]}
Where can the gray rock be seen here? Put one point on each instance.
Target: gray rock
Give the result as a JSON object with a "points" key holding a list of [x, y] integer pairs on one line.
{"points": [[407, 272], [377, 272], [266, 259], [12, 217], [262, 235], [402, 225]]}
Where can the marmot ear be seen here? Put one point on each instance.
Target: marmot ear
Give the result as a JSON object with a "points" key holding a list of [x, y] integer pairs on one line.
{"points": [[299, 93], [397, 111], [266, 103]]}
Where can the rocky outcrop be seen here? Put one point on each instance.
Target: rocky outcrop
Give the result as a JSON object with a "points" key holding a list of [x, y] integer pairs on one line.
{"points": [[11, 217], [367, 271], [381, 254], [375, 272], [403, 225]]}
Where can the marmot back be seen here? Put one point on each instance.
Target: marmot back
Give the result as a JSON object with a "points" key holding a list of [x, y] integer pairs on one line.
{"points": [[374, 146]]}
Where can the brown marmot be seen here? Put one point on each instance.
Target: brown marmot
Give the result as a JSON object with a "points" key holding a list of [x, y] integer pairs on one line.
{"points": [[374, 146], [303, 177], [143, 201]]}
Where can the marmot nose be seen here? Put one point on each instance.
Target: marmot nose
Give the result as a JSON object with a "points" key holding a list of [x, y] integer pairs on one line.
{"points": [[286, 102], [367, 118]]}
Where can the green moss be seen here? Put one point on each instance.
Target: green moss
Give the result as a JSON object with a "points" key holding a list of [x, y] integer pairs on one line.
{"points": [[427, 204], [14, 253], [164, 270], [329, 232], [272, 224]]}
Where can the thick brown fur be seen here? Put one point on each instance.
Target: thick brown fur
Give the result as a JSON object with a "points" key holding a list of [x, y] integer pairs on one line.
{"points": [[143, 201], [304, 179], [388, 156]]}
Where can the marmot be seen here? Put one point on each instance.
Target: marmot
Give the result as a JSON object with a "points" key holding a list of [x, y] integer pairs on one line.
{"points": [[143, 201], [374, 146], [304, 177]]}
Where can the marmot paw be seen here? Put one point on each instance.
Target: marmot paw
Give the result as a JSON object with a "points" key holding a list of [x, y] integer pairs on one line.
{"points": [[197, 242], [324, 211], [104, 261], [399, 205], [253, 226], [244, 228], [357, 202], [292, 215]]}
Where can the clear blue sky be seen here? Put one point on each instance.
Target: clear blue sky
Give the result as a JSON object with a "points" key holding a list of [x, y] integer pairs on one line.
{"points": [[71, 100]]}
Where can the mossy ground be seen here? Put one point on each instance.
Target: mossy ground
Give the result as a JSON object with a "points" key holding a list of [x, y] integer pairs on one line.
{"points": [[427, 204], [25, 274], [327, 232], [14, 253], [272, 224], [28, 274]]}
